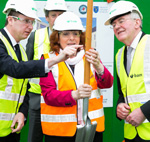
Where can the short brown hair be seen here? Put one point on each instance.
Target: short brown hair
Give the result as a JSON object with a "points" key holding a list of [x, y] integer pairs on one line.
{"points": [[12, 13], [55, 46]]}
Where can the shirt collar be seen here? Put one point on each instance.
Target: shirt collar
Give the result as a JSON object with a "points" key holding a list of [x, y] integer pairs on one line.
{"points": [[13, 41], [49, 31], [136, 40]]}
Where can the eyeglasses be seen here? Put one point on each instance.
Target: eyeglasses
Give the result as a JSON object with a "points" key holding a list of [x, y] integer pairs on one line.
{"points": [[67, 34], [25, 21], [120, 22]]}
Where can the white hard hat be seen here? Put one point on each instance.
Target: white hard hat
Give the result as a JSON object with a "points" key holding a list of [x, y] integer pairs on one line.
{"points": [[68, 21], [26, 7], [55, 5], [122, 7]]}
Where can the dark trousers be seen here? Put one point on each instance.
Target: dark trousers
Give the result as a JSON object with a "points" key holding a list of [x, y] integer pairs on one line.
{"points": [[35, 133], [98, 138], [13, 137], [136, 139]]}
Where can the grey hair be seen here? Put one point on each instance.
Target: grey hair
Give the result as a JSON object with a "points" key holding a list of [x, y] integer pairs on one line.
{"points": [[135, 15]]}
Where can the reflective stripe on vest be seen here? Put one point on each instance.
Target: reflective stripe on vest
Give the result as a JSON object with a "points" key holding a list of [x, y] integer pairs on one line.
{"points": [[41, 46], [137, 85], [145, 121], [9, 92], [142, 98], [58, 118], [95, 104], [11, 96], [96, 113], [7, 116], [70, 117], [118, 59]]}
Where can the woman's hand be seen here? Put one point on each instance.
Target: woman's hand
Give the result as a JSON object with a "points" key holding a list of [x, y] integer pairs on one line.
{"points": [[84, 91], [92, 56], [68, 52]]}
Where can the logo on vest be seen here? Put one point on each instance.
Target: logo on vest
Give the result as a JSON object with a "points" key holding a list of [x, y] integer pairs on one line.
{"points": [[135, 75]]}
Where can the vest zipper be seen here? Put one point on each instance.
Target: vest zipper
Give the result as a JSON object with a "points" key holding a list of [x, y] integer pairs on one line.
{"points": [[19, 95]]}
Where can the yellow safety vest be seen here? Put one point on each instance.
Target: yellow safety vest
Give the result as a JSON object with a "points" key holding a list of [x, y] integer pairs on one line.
{"points": [[10, 92], [41, 46], [136, 86], [62, 121]]}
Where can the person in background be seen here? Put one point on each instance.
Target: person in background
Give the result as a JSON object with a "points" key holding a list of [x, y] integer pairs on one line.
{"points": [[133, 63], [38, 43], [64, 86], [15, 67]]}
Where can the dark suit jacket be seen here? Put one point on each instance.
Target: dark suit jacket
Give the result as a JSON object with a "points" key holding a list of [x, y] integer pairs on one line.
{"points": [[17, 70], [145, 107]]}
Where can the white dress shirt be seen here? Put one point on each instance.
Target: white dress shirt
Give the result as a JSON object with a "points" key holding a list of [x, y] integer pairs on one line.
{"points": [[134, 45]]}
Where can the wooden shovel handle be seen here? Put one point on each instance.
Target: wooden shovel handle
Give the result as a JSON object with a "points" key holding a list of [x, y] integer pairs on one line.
{"points": [[88, 39]]}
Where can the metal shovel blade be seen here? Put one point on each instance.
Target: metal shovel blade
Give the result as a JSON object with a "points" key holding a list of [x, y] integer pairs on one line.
{"points": [[86, 133], [80, 133], [90, 131]]}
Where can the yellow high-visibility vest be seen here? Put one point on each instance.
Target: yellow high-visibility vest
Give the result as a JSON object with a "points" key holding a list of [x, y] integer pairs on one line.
{"points": [[41, 46], [10, 92], [136, 86]]}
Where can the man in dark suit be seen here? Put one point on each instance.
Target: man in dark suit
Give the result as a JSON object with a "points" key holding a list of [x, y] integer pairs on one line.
{"points": [[14, 67], [133, 63]]}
